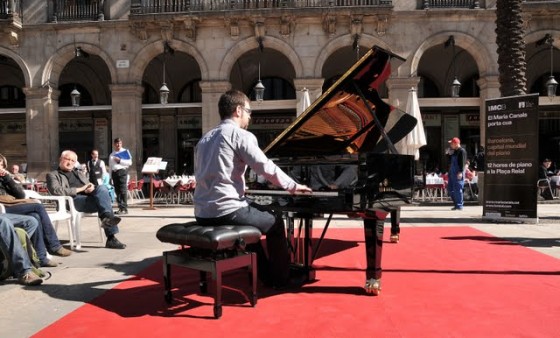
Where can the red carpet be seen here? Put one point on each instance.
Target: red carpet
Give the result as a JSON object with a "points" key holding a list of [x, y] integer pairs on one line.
{"points": [[437, 282]]}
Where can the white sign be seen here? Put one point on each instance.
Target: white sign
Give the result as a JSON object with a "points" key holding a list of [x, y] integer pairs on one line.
{"points": [[152, 165], [123, 63]]}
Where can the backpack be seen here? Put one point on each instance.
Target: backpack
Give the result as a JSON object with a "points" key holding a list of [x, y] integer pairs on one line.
{"points": [[5, 264]]}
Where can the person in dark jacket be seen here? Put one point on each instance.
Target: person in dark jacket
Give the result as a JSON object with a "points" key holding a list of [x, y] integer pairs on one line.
{"points": [[456, 179]]}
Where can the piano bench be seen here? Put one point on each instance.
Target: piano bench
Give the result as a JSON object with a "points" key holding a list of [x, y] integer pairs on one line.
{"points": [[210, 249]]}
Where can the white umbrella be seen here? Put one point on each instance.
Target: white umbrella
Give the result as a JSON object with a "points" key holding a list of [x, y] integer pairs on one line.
{"points": [[305, 100], [416, 139]]}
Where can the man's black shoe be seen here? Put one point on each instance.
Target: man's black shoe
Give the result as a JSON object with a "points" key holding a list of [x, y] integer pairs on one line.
{"points": [[109, 222], [121, 212], [114, 243]]}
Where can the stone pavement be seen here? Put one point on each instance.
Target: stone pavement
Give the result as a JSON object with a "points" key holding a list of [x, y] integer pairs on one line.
{"points": [[90, 272]]}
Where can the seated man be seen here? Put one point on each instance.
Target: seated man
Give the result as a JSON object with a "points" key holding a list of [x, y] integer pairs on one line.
{"points": [[19, 260], [67, 180], [16, 174], [332, 177]]}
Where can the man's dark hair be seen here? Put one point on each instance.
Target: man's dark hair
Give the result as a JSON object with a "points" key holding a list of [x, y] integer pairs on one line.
{"points": [[229, 101], [118, 139]]}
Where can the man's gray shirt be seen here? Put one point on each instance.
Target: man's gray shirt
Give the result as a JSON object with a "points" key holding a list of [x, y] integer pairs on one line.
{"points": [[222, 156]]}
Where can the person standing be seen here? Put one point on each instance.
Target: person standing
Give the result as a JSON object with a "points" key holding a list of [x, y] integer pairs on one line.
{"points": [[96, 168], [119, 161], [222, 157], [456, 180]]}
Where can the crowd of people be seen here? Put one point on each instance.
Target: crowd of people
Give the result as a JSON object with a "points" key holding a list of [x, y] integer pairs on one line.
{"points": [[90, 191]]}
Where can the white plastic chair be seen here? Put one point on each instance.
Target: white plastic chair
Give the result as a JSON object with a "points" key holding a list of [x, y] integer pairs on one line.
{"points": [[71, 215], [61, 214]]}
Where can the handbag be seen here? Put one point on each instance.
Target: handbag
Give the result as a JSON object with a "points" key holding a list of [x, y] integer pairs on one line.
{"points": [[9, 199]]}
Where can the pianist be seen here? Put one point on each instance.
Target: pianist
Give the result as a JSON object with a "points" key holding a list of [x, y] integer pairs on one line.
{"points": [[222, 157]]}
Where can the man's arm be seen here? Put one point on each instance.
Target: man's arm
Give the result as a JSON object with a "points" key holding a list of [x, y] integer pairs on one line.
{"points": [[57, 187]]}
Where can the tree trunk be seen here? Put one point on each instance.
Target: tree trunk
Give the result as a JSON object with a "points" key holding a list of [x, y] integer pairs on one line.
{"points": [[511, 48]]}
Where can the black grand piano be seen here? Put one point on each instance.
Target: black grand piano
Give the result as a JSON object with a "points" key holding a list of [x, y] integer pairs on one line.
{"points": [[349, 125]]}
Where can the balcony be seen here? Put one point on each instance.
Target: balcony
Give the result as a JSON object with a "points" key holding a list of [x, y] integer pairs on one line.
{"points": [[76, 10], [10, 20], [10, 9], [471, 4], [178, 6]]}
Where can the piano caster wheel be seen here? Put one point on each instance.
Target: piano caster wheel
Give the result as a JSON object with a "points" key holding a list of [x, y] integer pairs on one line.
{"points": [[217, 311], [203, 287], [373, 286], [394, 238], [168, 297]]}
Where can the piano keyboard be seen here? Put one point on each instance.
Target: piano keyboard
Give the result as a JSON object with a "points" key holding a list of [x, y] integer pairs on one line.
{"points": [[285, 193]]}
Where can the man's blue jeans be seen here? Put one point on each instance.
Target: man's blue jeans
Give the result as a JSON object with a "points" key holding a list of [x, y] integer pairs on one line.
{"points": [[98, 201], [275, 269], [38, 211], [31, 226], [9, 241]]}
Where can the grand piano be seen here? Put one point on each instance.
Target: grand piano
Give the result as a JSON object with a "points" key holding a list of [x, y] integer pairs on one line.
{"points": [[349, 125]]}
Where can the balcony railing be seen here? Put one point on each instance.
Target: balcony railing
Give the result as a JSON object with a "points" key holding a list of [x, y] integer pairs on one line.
{"points": [[75, 10], [9, 9], [171, 6], [450, 4]]}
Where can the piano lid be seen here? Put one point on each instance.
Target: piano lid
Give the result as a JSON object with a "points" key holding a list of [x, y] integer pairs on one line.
{"points": [[347, 118]]}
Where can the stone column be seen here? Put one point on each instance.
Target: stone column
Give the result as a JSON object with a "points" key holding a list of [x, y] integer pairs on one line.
{"points": [[211, 92], [314, 88], [489, 89], [398, 90], [127, 122], [42, 130]]}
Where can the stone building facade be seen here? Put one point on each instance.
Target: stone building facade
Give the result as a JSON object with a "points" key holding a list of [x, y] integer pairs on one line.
{"points": [[117, 55]]}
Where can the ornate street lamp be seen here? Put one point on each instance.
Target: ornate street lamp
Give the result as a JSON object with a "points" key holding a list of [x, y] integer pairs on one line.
{"points": [[259, 88], [455, 85], [75, 96], [551, 84], [164, 90]]}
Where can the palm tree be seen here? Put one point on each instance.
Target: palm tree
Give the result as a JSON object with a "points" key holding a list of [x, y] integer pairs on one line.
{"points": [[511, 48]]}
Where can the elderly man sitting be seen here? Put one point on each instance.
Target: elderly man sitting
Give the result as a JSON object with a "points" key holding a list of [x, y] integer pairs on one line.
{"points": [[68, 181]]}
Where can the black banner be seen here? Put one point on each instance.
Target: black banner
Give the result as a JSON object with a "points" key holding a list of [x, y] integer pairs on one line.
{"points": [[512, 164]]}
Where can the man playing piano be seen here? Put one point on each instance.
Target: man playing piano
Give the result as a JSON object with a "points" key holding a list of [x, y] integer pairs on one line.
{"points": [[222, 157]]}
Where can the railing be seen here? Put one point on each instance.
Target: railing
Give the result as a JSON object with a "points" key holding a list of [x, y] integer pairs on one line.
{"points": [[73, 10], [170, 6], [9, 8], [450, 4]]}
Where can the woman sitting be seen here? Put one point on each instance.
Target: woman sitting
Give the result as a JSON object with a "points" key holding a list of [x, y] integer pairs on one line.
{"points": [[45, 237]]}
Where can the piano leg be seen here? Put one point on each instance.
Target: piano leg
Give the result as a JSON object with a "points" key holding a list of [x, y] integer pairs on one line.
{"points": [[373, 233], [395, 225], [301, 244]]}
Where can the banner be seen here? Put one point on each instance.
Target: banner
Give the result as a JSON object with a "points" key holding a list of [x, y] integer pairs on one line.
{"points": [[512, 164]]}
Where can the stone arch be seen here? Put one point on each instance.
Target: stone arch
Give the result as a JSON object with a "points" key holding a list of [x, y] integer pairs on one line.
{"points": [[344, 41], [474, 47], [17, 59], [57, 62], [251, 43], [152, 50]]}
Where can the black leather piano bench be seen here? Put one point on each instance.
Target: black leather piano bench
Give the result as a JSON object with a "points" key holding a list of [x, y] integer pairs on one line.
{"points": [[210, 249]]}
